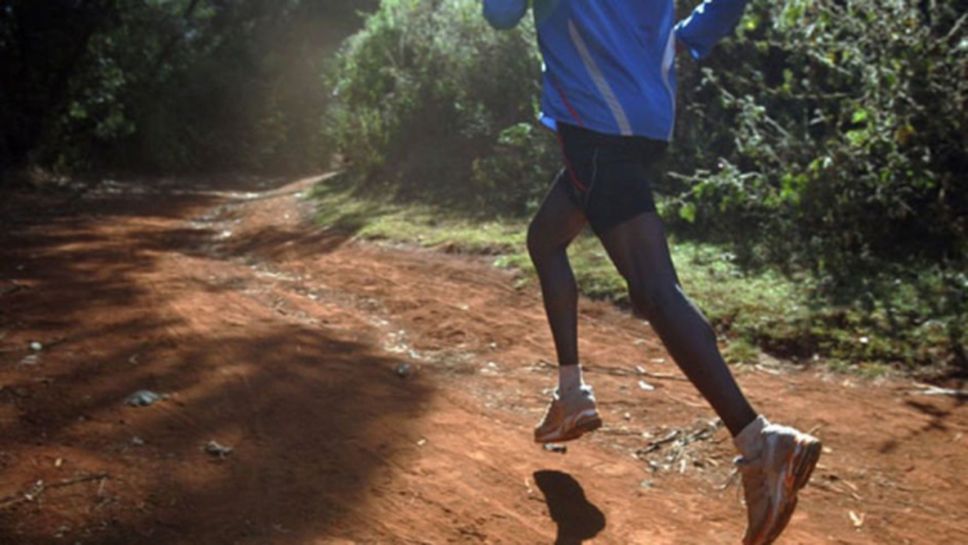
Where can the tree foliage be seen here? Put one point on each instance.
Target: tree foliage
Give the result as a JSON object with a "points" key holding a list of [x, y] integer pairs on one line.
{"points": [[826, 136], [825, 130], [840, 136], [429, 99], [831, 136], [166, 84]]}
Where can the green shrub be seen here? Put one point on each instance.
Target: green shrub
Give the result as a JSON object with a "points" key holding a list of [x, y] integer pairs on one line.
{"points": [[432, 101], [825, 140], [167, 85], [831, 135]]}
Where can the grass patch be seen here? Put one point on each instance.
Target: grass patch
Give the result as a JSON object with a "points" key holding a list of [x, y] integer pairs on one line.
{"points": [[895, 324], [379, 217]]}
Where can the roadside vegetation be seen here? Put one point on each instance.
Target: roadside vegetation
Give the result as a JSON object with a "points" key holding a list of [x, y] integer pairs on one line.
{"points": [[816, 192], [166, 86], [816, 189], [754, 311]]}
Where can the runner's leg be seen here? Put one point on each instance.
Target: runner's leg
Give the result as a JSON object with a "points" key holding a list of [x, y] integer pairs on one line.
{"points": [[572, 411], [639, 250], [555, 225]]}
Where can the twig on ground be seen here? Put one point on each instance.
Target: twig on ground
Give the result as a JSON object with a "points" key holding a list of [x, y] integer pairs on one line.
{"points": [[930, 390], [664, 376], [730, 480], [657, 444], [637, 372], [830, 488], [619, 431], [13, 288], [682, 449], [38, 488]]}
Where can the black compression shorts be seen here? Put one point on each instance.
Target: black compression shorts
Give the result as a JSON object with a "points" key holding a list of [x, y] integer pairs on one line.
{"points": [[609, 177]]}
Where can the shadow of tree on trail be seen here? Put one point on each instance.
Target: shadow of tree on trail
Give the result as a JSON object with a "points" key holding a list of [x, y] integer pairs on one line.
{"points": [[315, 414]]}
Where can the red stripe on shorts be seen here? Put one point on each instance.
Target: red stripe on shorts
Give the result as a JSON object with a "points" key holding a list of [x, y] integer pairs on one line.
{"points": [[571, 171]]}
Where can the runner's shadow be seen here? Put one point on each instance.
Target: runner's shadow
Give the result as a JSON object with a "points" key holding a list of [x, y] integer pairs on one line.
{"points": [[576, 517]]}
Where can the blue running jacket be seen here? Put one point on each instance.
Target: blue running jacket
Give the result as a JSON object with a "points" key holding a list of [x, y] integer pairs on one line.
{"points": [[609, 64]]}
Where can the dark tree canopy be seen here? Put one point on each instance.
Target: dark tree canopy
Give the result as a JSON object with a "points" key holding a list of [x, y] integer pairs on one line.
{"points": [[162, 85]]}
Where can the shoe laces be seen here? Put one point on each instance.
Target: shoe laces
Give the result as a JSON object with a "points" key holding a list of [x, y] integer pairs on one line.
{"points": [[730, 482], [753, 476], [740, 466]]}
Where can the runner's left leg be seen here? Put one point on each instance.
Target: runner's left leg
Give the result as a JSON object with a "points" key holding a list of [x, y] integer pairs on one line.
{"points": [[572, 411], [557, 222]]}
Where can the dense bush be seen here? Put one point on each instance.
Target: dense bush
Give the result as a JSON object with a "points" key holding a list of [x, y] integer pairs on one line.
{"points": [[428, 98], [826, 136], [824, 133], [837, 139], [172, 85], [837, 143]]}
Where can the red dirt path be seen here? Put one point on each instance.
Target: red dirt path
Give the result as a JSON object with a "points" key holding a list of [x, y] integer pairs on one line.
{"points": [[281, 340]]}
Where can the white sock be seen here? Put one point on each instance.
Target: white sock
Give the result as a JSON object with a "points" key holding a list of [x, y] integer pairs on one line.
{"points": [[569, 378], [749, 442]]}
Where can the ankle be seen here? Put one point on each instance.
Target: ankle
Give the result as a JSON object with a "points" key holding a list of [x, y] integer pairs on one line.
{"points": [[749, 442], [570, 377]]}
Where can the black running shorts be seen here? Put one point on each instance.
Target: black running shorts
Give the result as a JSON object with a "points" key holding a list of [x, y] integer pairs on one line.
{"points": [[608, 176]]}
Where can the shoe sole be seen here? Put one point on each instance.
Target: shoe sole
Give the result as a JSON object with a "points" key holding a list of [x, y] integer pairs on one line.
{"points": [[804, 461], [807, 463], [585, 424]]}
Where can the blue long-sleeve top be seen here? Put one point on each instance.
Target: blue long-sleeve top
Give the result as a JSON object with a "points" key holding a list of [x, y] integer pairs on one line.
{"points": [[609, 64]]}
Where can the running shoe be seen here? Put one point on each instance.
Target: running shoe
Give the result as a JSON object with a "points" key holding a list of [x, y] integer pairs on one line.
{"points": [[569, 416], [776, 462]]}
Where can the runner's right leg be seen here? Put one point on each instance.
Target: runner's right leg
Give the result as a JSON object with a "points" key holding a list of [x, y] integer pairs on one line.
{"points": [[639, 250], [776, 461], [572, 411]]}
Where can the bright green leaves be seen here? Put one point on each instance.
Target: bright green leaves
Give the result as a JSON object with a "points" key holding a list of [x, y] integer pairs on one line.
{"points": [[792, 14], [792, 186], [859, 116], [688, 212]]}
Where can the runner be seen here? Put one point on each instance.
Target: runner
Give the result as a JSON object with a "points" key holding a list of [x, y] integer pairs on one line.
{"points": [[609, 95]]}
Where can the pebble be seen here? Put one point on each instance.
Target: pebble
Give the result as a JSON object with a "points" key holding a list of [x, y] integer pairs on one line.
{"points": [[646, 386], [554, 447], [404, 370], [31, 359], [215, 449], [143, 398]]}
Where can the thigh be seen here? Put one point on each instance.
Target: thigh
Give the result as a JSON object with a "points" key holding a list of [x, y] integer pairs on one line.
{"points": [[559, 219], [640, 252]]}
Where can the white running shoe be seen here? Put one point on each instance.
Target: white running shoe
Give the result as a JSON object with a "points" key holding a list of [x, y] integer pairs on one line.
{"points": [[776, 463], [569, 416]]}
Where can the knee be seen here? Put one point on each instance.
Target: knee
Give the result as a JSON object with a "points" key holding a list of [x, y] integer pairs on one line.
{"points": [[651, 301], [664, 303], [538, 247]]}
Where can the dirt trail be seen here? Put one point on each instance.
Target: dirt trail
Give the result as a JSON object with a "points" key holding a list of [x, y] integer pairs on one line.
{"points": [[282, 341]]}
